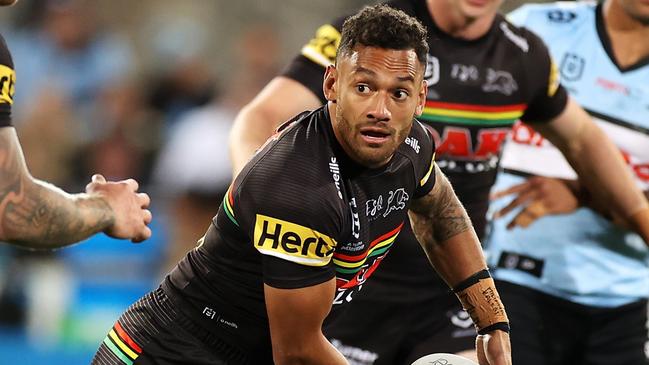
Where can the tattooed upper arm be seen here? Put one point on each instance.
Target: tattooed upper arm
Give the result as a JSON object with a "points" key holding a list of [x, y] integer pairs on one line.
{"points": [[438, 215], [12, 175]]}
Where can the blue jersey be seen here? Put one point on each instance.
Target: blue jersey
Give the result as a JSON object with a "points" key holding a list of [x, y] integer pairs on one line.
{"points": [[580, 257]]}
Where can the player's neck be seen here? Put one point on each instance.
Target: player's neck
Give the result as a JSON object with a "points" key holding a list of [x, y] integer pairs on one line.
{"points": [[628, 35], [452, 22]]}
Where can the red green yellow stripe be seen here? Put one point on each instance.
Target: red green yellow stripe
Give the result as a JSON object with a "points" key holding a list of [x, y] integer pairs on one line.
{"points": [[117, 351], [349, 263], [228, 202], [127, 338], [122, 345], [472, 114]]}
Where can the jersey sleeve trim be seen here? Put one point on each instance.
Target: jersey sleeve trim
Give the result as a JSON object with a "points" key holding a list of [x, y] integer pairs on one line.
{"points": [[424, 180]]}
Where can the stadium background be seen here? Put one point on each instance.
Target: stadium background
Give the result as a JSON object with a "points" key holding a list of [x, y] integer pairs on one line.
{"points": [[144, 89]]}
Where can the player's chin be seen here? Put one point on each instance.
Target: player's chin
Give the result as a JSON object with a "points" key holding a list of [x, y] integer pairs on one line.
{"points": [[374, 157], [7, 2]]}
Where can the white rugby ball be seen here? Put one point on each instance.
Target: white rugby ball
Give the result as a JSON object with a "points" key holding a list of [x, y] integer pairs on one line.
{"points": [[443, 359]]}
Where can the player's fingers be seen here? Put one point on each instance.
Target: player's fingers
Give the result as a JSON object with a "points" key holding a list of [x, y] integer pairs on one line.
{"points": [[536, 209], [143, 199], [523, 198], [147, 216], [132, 184], [511, 190], [98, 178], [144, 235], [528, 215]]}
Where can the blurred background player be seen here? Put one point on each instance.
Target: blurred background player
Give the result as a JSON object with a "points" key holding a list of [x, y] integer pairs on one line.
{"points": [[483, 74], [576, 285]]}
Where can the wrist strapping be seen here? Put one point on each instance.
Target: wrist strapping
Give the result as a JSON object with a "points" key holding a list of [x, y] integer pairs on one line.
{"points": [[480, 299]]}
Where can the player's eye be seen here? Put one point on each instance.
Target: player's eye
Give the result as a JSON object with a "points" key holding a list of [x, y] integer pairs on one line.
{"points": [[362, 88], [400, 94]]}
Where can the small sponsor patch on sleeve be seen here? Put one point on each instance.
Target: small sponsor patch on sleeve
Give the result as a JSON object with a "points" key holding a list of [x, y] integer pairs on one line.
{"points": [[7, 82], [323, 47], [292, 242], [555, 78]]}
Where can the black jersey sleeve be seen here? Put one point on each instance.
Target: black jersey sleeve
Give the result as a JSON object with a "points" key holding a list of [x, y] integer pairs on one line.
{"points": [[7, 82], [285, 206], [549, 97], [308, 67], [424, 168]]}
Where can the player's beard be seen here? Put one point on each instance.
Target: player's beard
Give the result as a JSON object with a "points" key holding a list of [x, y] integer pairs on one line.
{"points": [[359, 151]]}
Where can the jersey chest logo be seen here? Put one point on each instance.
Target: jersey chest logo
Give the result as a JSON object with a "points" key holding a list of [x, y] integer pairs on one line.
{"points": [[499, 81], [572, 67], [382, 207]]}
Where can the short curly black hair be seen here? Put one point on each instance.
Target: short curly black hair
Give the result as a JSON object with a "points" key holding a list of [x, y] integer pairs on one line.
{"points": [[384, 27]]}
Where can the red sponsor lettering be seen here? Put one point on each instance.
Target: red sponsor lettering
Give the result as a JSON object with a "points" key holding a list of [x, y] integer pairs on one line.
{"points": [[524, 134], [641, 171], [490, 141], [613, 86], [456, 142]]}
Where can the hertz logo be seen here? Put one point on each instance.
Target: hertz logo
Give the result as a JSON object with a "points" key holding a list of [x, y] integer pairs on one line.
{"points": [[7, 82], [292, 242]]}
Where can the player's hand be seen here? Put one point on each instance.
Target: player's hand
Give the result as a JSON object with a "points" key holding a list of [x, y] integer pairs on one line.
{"points": [[129, 207], [538, 196], [494, 348]]}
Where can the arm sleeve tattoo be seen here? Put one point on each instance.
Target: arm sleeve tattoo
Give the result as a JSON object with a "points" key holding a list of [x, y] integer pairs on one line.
{"points": [[35, 214], [439, 215]]}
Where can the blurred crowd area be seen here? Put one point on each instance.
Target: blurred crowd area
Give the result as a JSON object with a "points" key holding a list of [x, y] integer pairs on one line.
{"points": [[145, 89]]}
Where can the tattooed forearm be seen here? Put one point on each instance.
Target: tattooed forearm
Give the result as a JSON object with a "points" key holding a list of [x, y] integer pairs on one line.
{"points": [[38, 215], [439, 215], [445, 233]]}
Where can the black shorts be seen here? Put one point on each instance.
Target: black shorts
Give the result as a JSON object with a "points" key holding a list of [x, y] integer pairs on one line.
{"points": [[546, 330], [152, 331], [379, 332]]}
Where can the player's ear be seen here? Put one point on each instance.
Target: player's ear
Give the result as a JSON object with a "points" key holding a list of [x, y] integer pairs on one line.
{"points": [[329, 86], [421, 101]]}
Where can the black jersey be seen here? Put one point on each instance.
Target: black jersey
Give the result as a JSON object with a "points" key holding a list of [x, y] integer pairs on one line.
{"points": [[477, 89], [7, 81], [294, 217]]}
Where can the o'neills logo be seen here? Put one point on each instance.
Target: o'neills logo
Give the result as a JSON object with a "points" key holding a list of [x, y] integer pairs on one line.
{"points": [[335, 173], [413, 142], [292, 242]]}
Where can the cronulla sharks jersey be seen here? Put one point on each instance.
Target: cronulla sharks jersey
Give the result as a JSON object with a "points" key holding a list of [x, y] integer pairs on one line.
{"points": [[295, 217], [581, 257]]}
